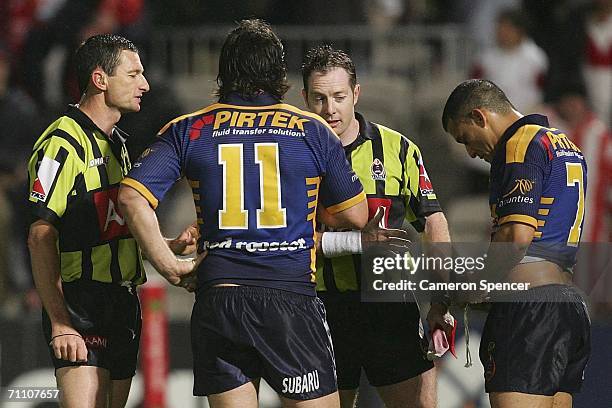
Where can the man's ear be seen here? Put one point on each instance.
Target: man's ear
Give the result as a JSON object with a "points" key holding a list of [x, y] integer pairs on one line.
{"points": [[479, 117], [99, 79], [356, 92]]}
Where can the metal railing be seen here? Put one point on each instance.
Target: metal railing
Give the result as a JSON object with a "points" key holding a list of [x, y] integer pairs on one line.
{"points": [[417, 53]]}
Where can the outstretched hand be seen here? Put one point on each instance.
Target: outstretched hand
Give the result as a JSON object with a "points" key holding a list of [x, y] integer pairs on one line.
{"points": [[375, 231]]}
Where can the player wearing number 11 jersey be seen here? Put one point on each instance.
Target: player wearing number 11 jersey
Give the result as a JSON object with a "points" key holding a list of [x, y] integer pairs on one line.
{"points": [[535, 345], [258, 169]]}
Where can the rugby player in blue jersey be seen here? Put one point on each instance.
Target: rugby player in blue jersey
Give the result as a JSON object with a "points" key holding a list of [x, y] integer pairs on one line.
{"points": [[258, 169], [535, 343]]}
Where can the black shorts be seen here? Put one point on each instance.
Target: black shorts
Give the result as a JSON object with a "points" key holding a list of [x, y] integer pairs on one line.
{"points": [[538, 345], [243, 333], [386, 339], [108, 317]]}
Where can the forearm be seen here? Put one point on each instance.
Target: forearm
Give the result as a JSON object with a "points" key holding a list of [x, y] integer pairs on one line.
{"points": [[144, 226], [42, 243], [508, 247], [436, 242]]}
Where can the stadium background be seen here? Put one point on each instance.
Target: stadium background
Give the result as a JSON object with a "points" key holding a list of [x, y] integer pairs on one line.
{"points": [[409, 55]]}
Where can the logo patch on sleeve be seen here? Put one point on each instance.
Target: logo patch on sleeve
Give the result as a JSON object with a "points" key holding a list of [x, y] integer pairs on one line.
{"points": [[47, 172]]}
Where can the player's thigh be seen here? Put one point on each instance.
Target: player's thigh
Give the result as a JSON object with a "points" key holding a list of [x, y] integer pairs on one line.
{"points": [[328, 401], [348, 398], [562, 400], [83, 387], [242, 396], [120, 389], [419, 391], [519, 400]]}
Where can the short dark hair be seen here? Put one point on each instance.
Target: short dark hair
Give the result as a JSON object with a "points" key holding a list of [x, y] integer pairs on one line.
{"points": [[473, 94], [252, 60], [102, 51], [515, 17], [324, 58]]}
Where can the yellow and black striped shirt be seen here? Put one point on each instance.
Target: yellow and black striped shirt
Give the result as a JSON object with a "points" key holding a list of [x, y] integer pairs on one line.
{"points": [[74, 175], [393, 175]]}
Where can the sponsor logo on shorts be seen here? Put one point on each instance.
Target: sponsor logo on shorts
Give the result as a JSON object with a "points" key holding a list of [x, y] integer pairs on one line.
{"points": [[95, 342], [489, 367], [302, 383]]}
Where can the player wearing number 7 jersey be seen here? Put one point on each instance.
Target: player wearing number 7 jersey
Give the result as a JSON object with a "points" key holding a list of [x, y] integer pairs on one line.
{"points": [[535, 345], [258, 169]]}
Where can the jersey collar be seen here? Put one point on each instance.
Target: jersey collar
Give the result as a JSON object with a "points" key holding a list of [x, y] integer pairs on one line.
{"points": [[533, 119], [261, 99], [85, 122], [366, 130]]}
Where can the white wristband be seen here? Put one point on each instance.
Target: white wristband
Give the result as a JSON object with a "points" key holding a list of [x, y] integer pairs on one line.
{"points": [[341, 243]]}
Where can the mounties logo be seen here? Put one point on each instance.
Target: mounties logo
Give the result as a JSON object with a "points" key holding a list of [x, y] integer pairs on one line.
{"points": [[523, 186], [45, 176], [378, 170]]}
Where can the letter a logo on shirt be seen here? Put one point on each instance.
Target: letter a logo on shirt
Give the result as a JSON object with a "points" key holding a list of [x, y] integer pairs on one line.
{"points": [[112, 215], [44, 178]]}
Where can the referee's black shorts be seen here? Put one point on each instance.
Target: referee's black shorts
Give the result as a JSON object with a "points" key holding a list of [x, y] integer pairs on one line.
{"points": [[387, 340], [108, 317], [537, 344]]}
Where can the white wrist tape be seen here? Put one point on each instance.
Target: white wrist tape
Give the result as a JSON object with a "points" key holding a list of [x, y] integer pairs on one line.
{"points": [[341, 243]]}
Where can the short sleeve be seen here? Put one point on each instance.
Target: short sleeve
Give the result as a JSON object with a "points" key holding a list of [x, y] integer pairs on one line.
{"points": [[158, 167], [52, 173], [340, 187], [420, 197], [521, 184]]}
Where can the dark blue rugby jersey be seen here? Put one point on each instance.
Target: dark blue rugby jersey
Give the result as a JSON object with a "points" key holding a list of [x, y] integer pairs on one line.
{"points": [[257, 170], [539, 177]]}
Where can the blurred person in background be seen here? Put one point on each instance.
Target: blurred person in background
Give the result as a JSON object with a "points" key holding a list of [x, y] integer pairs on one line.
{"points": [[586, 48], [390, 167], [257, 169], [515, 62], [21, 123], [65, 24]]}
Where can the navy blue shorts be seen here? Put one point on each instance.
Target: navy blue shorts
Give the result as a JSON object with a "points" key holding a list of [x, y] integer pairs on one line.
{"points": [[239, 334], [108, 317], [538, 344], [387, 340]]}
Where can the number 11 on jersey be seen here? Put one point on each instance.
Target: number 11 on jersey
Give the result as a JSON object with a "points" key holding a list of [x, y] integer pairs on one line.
{"points": [[270, 214]]}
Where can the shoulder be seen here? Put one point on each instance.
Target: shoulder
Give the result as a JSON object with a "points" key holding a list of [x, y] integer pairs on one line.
{"points": [[530, 143], [396, 140], [65, 132], [202, 115]]}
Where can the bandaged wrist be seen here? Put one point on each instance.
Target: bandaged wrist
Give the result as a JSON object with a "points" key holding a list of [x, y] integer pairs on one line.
{"points": [[341, 243]]}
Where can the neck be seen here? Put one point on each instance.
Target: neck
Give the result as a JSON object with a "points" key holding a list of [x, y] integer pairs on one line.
{"points": [[351, 133], [500, 126], [100, 114]]}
